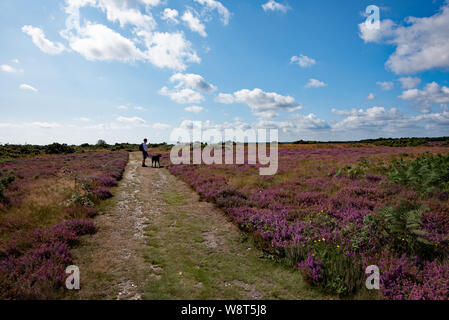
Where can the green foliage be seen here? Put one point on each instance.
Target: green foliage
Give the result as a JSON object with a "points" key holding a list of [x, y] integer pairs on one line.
{"points": [[354, 171], [399, 228], [57, 148], [10, 151], [425, 174], [4, 182], [342, 274], [405, 229]]}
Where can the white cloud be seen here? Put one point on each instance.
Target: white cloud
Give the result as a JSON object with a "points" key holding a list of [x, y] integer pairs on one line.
{"points": [[9, 69], [303, 61], [192, 81], [272, 5], [217, 5], [194, 109], [432, 94], [260, 101], [270, 114], [15, 60], [98, 42], [422, 44], [39, 39], [135, 121], [409, 82], [161, 126], [169, 50], [170, 15], [385, 85], [370, 33], [314, 83], [183, 96], [122, 107], [365, 119], [25, 86], [46, 125], [371, 96], [139, 108], [194, 23]]}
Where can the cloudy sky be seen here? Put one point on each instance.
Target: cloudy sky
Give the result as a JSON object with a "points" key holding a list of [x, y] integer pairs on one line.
{"points": [[76, 71]]}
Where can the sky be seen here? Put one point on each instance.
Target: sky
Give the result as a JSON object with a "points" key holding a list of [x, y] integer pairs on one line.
{"points": [[76, 71]]}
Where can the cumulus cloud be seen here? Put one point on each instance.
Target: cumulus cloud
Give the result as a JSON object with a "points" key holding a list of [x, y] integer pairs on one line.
{"points": [[217, 5], [385, 85], [9, 69], [272, 5], [363, 119], [182, 96], [194, 23], [122, 107], [187, 89], [192, 81], [96, 41], [169, 50], [409, 82], [371, 96], [194, 109], [39, 39], [170, 15], [314, 83], [259, 100], [421, 44], [303, 61], [25, 86], [424, 99]]}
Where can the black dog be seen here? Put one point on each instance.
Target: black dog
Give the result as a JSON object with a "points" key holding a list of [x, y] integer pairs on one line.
{"points": [[155, 159]]}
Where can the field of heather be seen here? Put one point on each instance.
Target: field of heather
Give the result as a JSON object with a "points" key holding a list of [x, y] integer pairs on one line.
{"points": [[333, 210], [45, 206]]}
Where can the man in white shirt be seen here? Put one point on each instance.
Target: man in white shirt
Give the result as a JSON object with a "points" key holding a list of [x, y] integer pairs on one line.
{"points": [[144, 152]]}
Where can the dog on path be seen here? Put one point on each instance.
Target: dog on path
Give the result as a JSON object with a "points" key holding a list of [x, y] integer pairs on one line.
{"points": [[155, 159]]}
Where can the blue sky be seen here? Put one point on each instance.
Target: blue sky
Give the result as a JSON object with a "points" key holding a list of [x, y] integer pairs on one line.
{"points": [[77, 71]]}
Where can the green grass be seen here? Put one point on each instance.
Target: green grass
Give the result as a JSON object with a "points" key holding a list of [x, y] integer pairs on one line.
{"points": [[188, 269]]}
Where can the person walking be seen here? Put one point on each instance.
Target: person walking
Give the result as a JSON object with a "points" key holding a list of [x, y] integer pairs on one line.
{"points": [[144, 148]]}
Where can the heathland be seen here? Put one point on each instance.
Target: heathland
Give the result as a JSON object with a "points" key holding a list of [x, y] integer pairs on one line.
{"points": [[329, 212]]}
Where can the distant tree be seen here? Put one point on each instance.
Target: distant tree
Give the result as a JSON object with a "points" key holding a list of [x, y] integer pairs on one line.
{"points": [[101, 142]]}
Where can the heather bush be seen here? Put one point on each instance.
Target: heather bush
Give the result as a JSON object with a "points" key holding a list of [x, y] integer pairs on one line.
{"points": [[33, 264], [102, 193], [332, 226]]}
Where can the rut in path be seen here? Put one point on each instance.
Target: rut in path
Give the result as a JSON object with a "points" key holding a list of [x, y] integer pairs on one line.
{"points": [[156, 240]]}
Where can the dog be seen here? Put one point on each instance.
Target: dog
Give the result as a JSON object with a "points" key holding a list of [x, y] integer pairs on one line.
{"points": [[155, 159]]}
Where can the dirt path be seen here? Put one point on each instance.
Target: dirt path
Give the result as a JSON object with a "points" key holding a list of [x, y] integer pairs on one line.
{"points": [[156, 240]]}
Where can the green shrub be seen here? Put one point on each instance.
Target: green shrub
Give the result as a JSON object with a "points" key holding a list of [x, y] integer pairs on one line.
{"points": [[342, 274], [425, 174], [4, 182]]}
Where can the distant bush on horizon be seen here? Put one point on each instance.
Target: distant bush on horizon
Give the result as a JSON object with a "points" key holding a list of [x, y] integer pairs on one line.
{"points": [[15, 151]]}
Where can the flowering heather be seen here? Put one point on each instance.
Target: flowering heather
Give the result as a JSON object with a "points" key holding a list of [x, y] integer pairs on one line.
{"points": [[324, 212], [48, 202], [38, 259]]}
